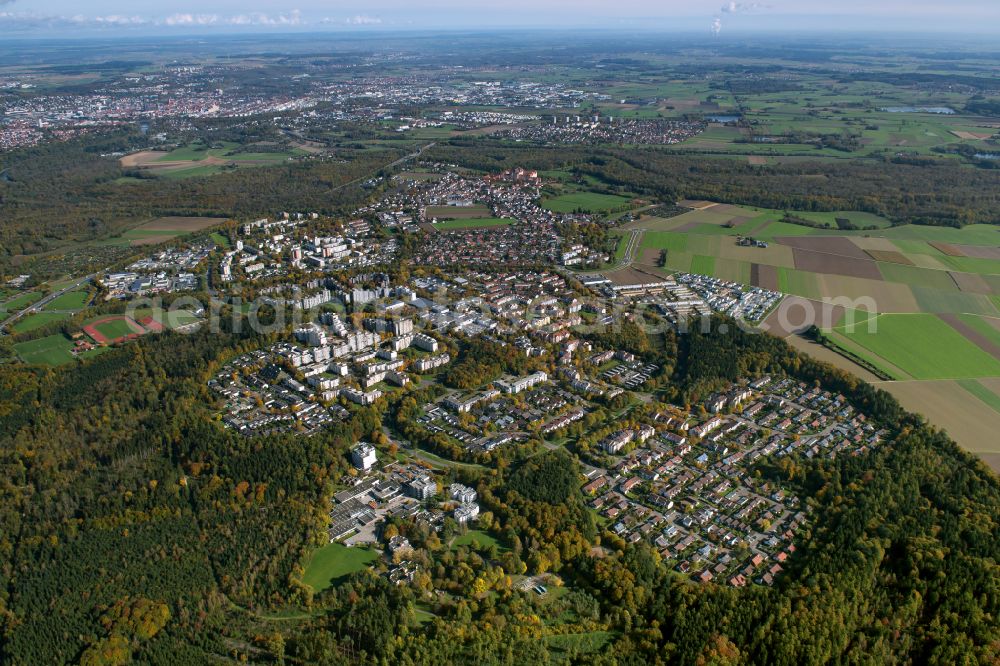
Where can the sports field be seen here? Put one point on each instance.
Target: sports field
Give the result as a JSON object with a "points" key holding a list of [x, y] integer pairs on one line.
{"points": [[37, 320], [72, 300], [51, 350], [457, 212], [588, 202], [475, 223], [112, 328], [332, 563], [155, 320]]}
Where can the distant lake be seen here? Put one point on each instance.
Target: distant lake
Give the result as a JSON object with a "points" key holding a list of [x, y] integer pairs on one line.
{"points": [[723, 119], [988, 156], [921, 109]]}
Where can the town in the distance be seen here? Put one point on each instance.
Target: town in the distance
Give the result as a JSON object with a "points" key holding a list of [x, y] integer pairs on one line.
{"points": [[497, 347]]}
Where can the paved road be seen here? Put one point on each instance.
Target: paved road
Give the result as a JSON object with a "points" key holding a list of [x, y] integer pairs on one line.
{"points": [[48, 299], [634, 240], [633, 247]]}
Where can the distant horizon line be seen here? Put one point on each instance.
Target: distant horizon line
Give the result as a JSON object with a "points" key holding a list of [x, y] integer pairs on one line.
{"points": [[361, 31]]}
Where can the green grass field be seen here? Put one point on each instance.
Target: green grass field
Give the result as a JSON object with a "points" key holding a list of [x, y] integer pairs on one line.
{"points": [[172, 318], [590, 202], [478, 537], [664, 240], [800, 283], [956, 302], [332, 563], [474, 223], [37, 320], [703, 265], [226, 150], [51, 350], [857, 218], [925, 347], [114, 329], [193, 172], [73, 300], [914, 275], [19, 302], [457, 212], [178, 318]]}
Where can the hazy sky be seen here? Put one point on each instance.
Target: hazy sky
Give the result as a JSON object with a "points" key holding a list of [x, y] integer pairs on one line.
{"points": [[186, 16]]}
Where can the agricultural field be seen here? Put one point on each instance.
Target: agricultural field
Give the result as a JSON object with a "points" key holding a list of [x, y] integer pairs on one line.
{"points": [[848, 120], [161, 230], [937, 289], [332, 563], [924, 346], [202, 159], [966, 410], [903, 269]]}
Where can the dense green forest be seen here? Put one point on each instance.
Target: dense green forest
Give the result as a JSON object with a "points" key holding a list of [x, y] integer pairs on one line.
{"points": [[134, 525], [59, 194], [926, 192]]}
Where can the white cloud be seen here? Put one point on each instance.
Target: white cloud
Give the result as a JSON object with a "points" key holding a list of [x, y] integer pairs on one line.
{"points": [[118, 19], [363, 19], [742, 7], [191, 19], [258, 18]]}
